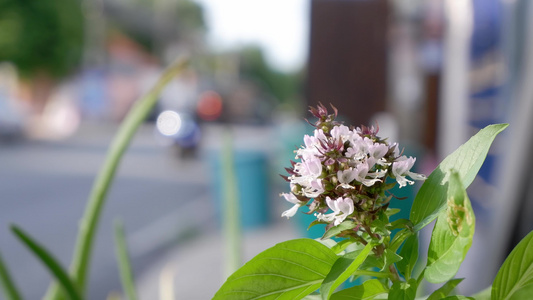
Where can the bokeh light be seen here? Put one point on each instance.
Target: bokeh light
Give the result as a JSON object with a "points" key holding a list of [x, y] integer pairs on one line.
{"points": [[168, 123], [209, 106]]}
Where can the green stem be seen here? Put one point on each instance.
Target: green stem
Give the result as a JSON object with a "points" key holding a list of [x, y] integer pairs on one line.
{"points": [[394, 273], [231, 220], [372, 273], [420, 277], [125, 270], [380, 250], [93, 210]]}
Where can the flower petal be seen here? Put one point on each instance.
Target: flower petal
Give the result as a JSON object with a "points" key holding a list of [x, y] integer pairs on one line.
{"points": [[291, 211]]}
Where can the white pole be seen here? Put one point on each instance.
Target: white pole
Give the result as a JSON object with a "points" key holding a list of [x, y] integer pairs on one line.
{"points": [[453, 105]]}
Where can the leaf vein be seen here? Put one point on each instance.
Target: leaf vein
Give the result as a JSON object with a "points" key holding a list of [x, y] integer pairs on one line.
{"points": [[268, 274], [307, 254], [294, 263]]}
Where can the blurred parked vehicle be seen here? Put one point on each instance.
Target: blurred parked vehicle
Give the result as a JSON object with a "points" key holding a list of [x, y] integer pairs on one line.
{"points": [[11, 121]]}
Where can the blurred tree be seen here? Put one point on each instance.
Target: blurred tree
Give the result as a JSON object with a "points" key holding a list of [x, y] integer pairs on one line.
{"points": [[285, 87], [41, 36], [44, 40], [159, 24], [190, 16]]}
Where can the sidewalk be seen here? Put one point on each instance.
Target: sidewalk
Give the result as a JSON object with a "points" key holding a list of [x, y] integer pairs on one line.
{"points": [[195, 269]]}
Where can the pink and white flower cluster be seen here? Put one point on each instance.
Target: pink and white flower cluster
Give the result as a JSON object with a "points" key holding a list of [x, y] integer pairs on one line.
{"points": [[344, 170]]}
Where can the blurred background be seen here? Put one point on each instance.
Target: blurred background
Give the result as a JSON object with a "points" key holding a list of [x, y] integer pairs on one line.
{"points": [[430, 73]]}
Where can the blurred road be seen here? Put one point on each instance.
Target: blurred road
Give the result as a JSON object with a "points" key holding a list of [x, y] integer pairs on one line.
{"points": [[44, 187]]}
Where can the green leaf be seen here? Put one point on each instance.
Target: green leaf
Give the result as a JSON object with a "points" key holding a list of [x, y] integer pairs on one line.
{"points": [[379, 226], [289, 270], [330, 243], [343, 268], [466, 160], [316, 222], [10, 290], [483, 294], [382, 262], [400, 224], [392, 211], [403, 290], [95, 204], [399, 238], [409, 253], [452, 235], [516, 271], [458, 297], [333, 231], [126, 273], [50, 262], [444, 290], [523, 293], [342, 245], [367, 291], [390, 258]]}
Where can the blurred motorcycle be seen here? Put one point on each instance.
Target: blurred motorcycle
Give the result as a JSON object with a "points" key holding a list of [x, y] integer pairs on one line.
{"points": [[181, 129]]}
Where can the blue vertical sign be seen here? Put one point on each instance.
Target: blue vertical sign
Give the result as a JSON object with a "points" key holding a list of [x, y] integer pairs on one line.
{"points": [[486, 103], [486, 106]]}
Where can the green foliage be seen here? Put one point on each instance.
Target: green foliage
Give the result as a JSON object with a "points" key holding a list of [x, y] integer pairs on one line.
{"points": [[515, 277], [89, 222], [41, 36], [50, 262], [125, 270], [403, 290], [483, 294], [297, 269], [343, 268], [190, 16], [366, 291], [443, 195], [289, 270], [335, 230], [283, 86], [523, 293], [452, 235], [399, 238], [340, 246], [466, 161], [389, 257], [409, 253], [446, 289], [10, 290]]}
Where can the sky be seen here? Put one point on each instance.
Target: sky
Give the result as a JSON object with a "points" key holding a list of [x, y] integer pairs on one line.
{"points": [[281, 27]]}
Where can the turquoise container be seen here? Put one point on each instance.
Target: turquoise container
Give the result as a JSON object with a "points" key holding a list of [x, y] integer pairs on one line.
{"points": [[251, 171]]}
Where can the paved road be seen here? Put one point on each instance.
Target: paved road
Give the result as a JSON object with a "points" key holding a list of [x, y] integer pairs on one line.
{"points": [[44, 187]]}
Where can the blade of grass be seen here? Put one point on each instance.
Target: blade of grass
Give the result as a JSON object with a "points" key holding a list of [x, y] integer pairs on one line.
{"points": [[50, 262], [230, 207], [124, 265], [89, 222], [10, 289]]}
